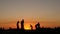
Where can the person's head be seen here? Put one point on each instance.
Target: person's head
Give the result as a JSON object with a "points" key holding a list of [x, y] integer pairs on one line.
{"points": [[38, 22], [22, 19]]}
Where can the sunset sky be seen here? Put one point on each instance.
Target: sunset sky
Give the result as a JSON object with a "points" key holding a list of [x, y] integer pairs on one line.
{"points": [[47, 12]]}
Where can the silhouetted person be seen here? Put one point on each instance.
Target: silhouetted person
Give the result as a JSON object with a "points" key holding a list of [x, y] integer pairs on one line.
{"points": [[31, 27], [22, 24], [37, 26], [17, 24]]}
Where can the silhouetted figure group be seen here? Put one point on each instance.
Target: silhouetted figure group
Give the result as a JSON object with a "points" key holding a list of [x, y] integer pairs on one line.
{"points": [[22, 24], [37, 26]]}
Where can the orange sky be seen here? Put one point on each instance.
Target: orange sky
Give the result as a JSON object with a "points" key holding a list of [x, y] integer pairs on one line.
{"points": [[47, 12], [12, 23]]}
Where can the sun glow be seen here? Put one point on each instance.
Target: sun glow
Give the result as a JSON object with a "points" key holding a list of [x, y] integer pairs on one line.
{"points": [[27, 28]]}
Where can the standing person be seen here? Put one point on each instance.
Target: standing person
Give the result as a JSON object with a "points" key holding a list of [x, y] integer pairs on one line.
{"points": [[31, 27], [17, 24], [22, 24], [37, 26]]}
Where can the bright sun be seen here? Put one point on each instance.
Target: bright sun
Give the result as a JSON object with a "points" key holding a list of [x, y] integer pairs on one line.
{"points": [[27, 28]]}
